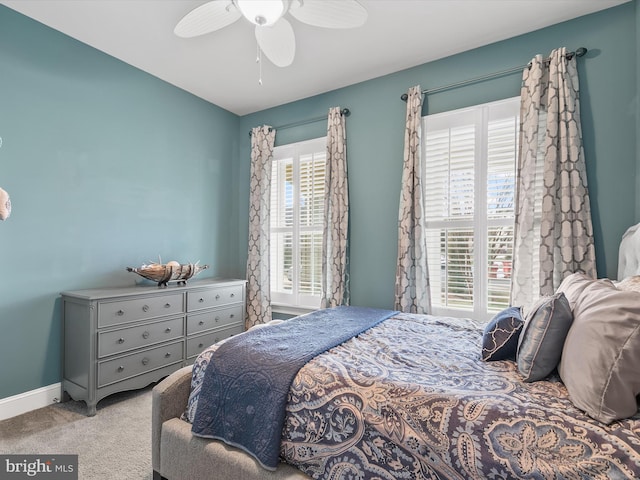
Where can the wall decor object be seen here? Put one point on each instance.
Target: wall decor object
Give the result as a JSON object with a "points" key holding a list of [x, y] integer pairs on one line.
{"points": [[171, 271], [5, 205], [5, 201]]}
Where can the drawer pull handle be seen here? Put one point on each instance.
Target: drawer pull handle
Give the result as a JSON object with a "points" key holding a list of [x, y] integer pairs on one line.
{"points": [[121, 368], [119, 313], [233, 295], [145, 308], [217, 297], [200, 345], [231, 316], [167, 305], [201, 300], [217, 319], [145, 361], [168, 330], [121, 340], [201, 322], [167, 355], [145, 335], [216, 340]]}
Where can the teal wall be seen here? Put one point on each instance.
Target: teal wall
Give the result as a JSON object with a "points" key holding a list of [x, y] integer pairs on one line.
{"points": [[107, 167], [375, 136]]}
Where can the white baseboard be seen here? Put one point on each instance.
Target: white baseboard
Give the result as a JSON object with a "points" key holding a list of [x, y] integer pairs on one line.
{"points": [[27, 401]]}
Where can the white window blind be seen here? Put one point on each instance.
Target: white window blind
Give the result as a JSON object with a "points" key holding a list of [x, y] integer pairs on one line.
{"points": [[470, 158], [297, 215]]}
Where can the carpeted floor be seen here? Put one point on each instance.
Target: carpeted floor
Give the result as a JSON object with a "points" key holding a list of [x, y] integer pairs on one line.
{"points": [[115, 444]]}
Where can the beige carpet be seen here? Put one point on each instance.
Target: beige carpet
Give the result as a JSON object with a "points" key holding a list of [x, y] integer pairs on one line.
{"points": [[115, 444]]}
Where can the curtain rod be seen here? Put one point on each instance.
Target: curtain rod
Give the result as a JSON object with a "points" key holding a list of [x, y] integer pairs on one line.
{"points": [[569, 55], [345, 111]]}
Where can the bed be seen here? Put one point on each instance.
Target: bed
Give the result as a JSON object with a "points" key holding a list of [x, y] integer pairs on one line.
{"points": [[420, 397]]}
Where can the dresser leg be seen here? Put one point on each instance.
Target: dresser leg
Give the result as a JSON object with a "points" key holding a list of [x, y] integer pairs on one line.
{"points": [[91, 409]]}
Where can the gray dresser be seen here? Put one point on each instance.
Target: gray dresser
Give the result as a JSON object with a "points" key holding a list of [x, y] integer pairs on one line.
{"points": [[119, 339]]}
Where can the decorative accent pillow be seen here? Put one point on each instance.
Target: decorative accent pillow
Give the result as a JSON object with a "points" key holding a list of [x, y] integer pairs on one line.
{"points": [[542, 338], [500, 339], [601, 357]]}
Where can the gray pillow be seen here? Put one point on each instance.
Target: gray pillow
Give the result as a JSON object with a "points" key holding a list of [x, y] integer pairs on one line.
{"points": [[601, 355], [542, 338]]}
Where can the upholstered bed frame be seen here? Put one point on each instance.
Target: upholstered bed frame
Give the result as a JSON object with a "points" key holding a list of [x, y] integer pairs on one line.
{"points": [[179, 455], [629, 254]]}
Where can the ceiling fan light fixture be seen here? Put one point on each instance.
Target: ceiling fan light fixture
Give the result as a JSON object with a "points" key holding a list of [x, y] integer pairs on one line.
{"points": [[261, 12], [277, 41]]}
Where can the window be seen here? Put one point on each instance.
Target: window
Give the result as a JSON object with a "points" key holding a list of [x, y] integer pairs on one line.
{"points": [[297, 216], [470, 157]]}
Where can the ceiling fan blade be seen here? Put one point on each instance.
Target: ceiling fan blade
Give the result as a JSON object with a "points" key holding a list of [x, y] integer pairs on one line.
{"points": [[329, 13], [277, 42], [207, 18]]}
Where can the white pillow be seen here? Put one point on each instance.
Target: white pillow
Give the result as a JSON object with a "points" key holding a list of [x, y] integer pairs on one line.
{"points": [[630, 284]]}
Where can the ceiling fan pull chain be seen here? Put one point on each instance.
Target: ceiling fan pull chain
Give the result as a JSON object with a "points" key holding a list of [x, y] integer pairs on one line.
{"points": [[259, 62]]}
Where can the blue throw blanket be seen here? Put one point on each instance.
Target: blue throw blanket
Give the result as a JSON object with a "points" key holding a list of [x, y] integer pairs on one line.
{"points": [[245, 386]]}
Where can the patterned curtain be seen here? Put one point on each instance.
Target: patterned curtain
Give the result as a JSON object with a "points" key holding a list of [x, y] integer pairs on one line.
{"points": [[553, 230], [258, 284], [412, 275], [335, 238]]}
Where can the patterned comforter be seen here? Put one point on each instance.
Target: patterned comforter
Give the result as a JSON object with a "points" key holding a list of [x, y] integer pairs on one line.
{"points": [[411, 399]]}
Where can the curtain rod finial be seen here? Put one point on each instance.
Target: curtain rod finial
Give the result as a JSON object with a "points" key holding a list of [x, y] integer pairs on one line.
{"points": [[581, 51], [404, 97]]}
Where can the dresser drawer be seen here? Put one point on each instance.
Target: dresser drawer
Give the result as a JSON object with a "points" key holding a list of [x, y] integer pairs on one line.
{"points": [[220, 317], [195, 345], [124, 311], [124, 339], [110, 371], [199, 299]]}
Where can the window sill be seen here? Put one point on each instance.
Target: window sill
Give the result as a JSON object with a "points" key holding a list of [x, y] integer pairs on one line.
{"points": [[291, 309], [482, 317]]}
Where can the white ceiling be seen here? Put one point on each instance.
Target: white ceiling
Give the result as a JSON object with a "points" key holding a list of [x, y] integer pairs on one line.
{"points": [[221, 68]]}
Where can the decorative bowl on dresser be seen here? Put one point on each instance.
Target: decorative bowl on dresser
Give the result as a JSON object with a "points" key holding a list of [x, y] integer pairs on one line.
{"points": [[118, 339]]}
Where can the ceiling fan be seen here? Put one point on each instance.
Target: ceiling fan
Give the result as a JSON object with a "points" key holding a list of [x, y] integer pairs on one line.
{"points": [[274, 33]]}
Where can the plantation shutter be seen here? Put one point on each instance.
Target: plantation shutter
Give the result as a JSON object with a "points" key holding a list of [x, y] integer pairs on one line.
{"points": [[502, 142], [297, 206], [470, 159], [311, 181]]}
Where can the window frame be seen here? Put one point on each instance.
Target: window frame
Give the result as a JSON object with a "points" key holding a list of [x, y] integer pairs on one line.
{"points": [[481, 222], [295, 302]]}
